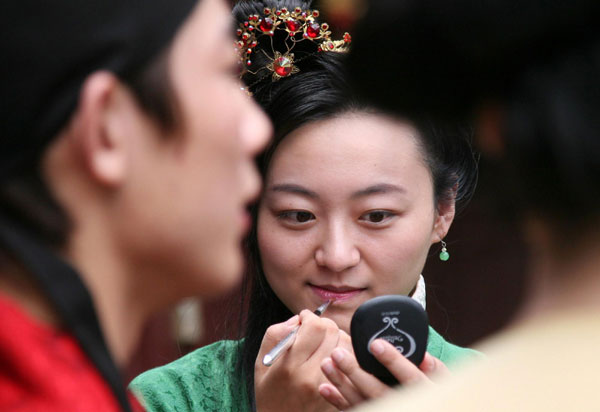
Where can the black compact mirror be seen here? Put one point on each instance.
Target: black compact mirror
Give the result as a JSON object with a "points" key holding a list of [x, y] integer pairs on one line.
{"points": [[400, 320]]}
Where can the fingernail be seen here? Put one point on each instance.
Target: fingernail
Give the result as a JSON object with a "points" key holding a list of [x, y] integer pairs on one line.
{"points": [[429, 364], [377, 347], [327, 366], [292, 321], [338, 356], [325, 391]]}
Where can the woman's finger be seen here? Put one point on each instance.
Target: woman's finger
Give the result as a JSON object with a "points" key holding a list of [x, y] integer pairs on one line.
{"points": [[403, 370], [345, 341], [311, 335], [340, 381], [433, 366], [333, 396], [366, 384], [329, 341]]}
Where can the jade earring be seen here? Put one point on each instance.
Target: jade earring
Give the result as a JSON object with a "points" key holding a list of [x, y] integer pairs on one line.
{"points": [[444, 255]]}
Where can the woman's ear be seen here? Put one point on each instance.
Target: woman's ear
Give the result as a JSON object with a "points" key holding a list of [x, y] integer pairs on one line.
{"points": [[444, 217], [102, 145]]}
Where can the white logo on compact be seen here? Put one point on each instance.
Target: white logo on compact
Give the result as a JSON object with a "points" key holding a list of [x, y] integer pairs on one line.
{"points": [[404, 342]]}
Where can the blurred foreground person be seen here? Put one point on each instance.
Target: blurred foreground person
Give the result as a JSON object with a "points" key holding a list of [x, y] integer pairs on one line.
{"points": [[529, 75], [126, 152]]}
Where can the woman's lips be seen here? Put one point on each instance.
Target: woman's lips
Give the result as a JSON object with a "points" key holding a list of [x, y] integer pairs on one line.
{"points": [[326, 292]]}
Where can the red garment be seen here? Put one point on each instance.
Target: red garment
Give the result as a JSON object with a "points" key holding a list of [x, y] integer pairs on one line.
{"points": [[44, 369]]}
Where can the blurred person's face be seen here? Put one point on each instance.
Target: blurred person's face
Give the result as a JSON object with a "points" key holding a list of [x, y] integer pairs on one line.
{"points": [[193, 186], [348, 213]]}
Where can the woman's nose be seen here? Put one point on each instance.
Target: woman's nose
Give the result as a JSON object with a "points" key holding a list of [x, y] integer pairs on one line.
{"points": [[337, 252]]}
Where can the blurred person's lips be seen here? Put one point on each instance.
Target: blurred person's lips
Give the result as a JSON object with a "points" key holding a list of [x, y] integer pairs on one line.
{"points": [[246, 221], [338, 293], [254, 185]]}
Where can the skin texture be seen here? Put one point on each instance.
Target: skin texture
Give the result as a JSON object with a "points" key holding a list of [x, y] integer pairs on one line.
{"points": [[292, 380], [159, 215], [349, 385], [348, 211], [203, 176]]}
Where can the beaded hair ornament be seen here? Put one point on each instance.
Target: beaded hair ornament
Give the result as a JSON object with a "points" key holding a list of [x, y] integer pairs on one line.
{"points": [[300, 25]]}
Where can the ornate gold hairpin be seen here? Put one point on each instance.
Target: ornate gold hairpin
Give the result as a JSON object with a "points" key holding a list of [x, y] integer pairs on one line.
{"points": [[300, 25]]}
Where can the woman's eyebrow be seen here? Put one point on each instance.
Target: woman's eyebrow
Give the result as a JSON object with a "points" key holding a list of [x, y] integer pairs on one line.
{"points": [[302, 191], [378, 189], [294, 189]]}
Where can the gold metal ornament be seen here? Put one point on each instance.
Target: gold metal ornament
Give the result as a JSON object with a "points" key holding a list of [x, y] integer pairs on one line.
{"points": [[300, 25]]}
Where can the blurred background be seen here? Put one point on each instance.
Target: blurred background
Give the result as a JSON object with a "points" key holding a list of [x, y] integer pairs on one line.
{"points": [[469, 297]]}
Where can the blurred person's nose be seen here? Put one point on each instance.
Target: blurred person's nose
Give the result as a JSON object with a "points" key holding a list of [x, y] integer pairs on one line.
{"points": [[256, 129]]}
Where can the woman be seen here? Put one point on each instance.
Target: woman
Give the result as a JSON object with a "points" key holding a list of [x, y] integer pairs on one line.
{"points": [[353, 201]]}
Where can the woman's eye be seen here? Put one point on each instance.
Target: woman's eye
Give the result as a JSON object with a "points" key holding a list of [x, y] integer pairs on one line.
{"points": [[377, 216], [297, 216]]}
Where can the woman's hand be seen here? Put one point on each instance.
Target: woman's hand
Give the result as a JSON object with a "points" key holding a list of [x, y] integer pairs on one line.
{"points": [[292, 382], [350, 385]]}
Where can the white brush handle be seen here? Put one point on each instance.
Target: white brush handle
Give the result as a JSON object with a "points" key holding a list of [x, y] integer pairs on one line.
{"points": [[281, 347], [286, 342]]}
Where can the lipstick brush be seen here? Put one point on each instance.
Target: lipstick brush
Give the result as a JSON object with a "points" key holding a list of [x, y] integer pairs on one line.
{"points": [[285, 343]]}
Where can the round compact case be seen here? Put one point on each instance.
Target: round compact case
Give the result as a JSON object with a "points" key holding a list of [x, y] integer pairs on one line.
{"points": [[400, 320]]}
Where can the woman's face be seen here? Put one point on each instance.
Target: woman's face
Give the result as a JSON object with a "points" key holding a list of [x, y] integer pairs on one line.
{"points": [[348, 213]]}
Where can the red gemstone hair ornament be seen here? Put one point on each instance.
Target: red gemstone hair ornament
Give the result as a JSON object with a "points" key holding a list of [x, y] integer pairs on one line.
{"points": [[300, 25]]}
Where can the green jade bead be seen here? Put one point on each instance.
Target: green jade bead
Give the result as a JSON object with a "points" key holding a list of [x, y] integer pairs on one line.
{"points": [[444, 255]]}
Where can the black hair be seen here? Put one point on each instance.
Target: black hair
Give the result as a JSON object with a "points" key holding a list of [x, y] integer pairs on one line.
{"points": [[538, 62], [552, 132], [26, 199], [320, 90]]}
